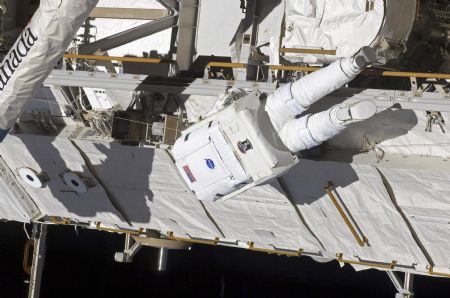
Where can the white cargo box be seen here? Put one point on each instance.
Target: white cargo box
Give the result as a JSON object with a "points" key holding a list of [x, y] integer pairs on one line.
{"points": [[231, 151]]}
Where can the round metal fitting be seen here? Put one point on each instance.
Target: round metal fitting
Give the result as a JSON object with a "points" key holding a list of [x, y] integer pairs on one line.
{"points": [[31, 177], [75, 182]]}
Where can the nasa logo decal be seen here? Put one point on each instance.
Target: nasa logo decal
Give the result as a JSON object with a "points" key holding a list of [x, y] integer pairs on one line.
{"points": [[210, 164]]}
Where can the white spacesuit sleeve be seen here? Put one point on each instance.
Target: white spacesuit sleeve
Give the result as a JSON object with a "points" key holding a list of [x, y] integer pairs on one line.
{"points": [[36, 52], [291, 100], [316, 85]]}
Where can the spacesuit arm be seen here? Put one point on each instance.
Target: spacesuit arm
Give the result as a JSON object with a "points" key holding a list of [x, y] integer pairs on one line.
{"points": [[293, 99], [36, 52]]}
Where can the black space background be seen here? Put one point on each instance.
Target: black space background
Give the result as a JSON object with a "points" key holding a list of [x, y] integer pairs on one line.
{"points": [[82, 266]]}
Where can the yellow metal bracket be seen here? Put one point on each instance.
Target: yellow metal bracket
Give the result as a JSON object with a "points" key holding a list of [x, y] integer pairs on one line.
{"points": [[361, 240], [391, 265], [62, 221], [170, 235]]}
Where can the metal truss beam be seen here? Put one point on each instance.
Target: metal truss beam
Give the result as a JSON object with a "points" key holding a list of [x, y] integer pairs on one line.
{"points": [[425, 101], [39, 237], [404, 288], [128, 13], [187, 32], [129, 82], [136, 33]]}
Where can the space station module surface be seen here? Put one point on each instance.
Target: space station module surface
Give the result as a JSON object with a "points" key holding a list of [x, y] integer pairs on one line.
{"points": [[255, 138]]}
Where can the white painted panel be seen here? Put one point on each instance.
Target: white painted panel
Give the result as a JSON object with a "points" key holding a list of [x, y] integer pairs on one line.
{"points": [[218, 23], [363, 193], [394, 130], [264, 216], [424, 197], [146, 185], [54, 157], [14, 205]]}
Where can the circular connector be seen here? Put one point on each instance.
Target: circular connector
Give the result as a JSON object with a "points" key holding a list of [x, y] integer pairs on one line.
{"points": [[31, 178], [75, 182]]}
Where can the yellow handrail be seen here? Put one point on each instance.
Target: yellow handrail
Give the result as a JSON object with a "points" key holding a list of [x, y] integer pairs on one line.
{"points": [[431, 272], [227, 65], [340, 258], [112, 58], [407, 74], [299, 253], [308, 51], [294, 68], [360, 241], [171, 236], [403, 74], [121, 231], [371, 72]]}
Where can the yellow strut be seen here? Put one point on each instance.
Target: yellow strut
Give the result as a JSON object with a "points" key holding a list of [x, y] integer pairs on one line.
{"points": [[361, 241]]}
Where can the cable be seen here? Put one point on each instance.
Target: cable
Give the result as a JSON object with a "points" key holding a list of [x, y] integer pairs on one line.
{"points": [[48, 101], [25, 230]]}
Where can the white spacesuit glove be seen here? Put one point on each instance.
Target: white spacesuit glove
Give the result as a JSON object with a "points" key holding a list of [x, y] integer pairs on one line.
{"points": [[226, 99], [328, 124]]}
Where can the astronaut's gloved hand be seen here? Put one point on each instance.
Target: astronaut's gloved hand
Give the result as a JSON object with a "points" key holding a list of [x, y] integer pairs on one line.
{"points": [[226, 99], [312, 130], [364, 57], [291, 100], [328, 124], [352, 66], [345, 114]]}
